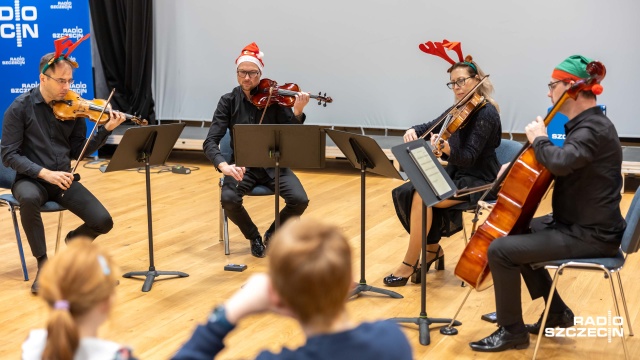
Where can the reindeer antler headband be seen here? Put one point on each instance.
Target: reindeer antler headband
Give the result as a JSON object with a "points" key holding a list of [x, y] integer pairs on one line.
{"points": [[438, 49], [61, 45]]}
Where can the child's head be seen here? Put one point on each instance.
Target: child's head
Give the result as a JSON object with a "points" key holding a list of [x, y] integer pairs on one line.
{"points": [[310, 268], [79, 281]]}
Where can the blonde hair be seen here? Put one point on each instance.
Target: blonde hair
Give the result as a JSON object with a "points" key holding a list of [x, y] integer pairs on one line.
{"points": [[73, 283], [486, 89], [310, 268]]}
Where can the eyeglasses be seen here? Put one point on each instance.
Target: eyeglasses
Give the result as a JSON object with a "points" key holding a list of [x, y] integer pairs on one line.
{"points": [[60, 81], [459, 82], [252, 74], [552, 85]]}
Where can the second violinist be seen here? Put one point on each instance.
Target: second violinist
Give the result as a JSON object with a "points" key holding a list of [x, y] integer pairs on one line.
{"points": [[236, 108], [471, 156]]}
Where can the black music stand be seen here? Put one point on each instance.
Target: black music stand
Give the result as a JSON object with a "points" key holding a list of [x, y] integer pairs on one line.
{"points": [[149, 145], [364, 153], [276, 146], [434, 185]]}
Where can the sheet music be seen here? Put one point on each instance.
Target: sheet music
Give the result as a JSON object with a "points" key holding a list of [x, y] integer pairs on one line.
{"points": [[430, 171]]}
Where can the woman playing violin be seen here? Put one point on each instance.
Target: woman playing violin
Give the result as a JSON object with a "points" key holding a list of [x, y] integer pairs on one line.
{"points": [[39, 147], [471, 157]]}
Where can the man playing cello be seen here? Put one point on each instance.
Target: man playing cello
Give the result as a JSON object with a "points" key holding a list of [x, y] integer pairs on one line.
{"points": [[586, 220]]}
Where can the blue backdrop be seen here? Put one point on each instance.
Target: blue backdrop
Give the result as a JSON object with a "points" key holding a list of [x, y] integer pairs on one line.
{"points": [[555, 129], [27, 31]]}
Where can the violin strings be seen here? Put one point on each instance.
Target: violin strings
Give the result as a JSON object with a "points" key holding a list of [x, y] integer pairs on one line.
{"points": [[293, 93]]}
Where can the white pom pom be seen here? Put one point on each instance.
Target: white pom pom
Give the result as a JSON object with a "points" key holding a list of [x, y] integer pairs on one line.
{"points": [[259, 55]]}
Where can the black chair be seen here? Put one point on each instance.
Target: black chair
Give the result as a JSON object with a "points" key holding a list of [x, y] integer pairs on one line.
{"points": [[259, 190], [7, 177], [506, 152], [610, 266]]}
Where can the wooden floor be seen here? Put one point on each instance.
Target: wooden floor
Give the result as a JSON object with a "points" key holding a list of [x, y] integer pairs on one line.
{"points": [[185, 222]]}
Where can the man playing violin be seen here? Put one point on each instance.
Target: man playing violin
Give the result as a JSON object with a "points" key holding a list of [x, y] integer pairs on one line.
{"points": [[236, 108], [39, 147], [587, 172]]}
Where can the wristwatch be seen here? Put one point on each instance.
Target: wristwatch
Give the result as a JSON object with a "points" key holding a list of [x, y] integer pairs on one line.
{"points": [[219, 317]]}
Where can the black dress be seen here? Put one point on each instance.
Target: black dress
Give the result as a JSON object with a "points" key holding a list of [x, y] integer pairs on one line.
{"points": [[472, 162]]}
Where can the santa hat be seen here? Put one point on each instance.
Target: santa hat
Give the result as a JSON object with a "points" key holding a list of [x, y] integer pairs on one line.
{"points": [[251, 53], [575, 68]]}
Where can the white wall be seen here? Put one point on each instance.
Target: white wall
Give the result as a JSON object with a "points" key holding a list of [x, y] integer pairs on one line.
{"points": [[364, 54]]}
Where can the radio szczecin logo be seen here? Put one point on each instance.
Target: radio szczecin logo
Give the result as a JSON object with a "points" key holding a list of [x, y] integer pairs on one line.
{"points": [[599, 326], [18, 22]]}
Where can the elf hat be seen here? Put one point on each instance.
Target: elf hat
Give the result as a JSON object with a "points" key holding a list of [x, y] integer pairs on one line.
{"points": [[575, 68]]}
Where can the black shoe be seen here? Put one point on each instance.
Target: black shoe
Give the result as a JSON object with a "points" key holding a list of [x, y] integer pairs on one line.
{"points": [[69, 237], [394, 281], [266, 238], [35, 287], [257, 249], [439, 259], [562, 320], [501, 340]]}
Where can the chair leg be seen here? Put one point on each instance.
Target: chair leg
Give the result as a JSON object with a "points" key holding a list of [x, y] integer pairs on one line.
{"points": [[59, 231], [225, 232], [464, 231], [615, 305], [25, 273], [624, 303], [221, 213], [556, 276]]}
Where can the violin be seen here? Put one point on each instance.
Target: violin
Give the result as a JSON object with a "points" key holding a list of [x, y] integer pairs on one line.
{"points": [[73, 106], [458, 116], [458, 120], [269, 92]]}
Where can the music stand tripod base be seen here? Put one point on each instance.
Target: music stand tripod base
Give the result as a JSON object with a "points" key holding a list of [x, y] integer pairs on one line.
{"points": [[151, 275], [362, 287]]}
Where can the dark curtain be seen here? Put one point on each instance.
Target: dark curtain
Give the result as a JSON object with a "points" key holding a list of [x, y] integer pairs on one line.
{"points": [[123, 30]]}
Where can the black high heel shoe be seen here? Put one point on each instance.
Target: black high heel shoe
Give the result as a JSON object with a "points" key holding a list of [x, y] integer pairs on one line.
{"points": [[439, 258], [394, 281]]}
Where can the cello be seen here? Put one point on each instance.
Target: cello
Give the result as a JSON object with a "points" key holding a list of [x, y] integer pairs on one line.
{"points": [[525, 183]]}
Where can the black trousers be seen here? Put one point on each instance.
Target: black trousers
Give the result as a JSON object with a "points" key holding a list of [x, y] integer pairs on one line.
{"points": [[32, 194], [510, 256], [291, 191]]}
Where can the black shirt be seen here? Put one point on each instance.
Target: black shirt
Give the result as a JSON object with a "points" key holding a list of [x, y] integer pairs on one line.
{"points": [[234, 108], [586, 196], [33, 138]]}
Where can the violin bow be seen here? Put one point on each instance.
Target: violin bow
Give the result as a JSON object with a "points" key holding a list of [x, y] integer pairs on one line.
{"points": [[93, 131], [267, 105]]}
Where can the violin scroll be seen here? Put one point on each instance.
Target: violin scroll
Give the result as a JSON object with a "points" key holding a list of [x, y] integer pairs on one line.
{"points": [[323, 99], [597, 72]]}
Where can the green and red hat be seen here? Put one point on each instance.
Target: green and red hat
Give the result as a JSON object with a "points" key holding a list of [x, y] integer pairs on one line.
{"points": [[574, 68]]}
